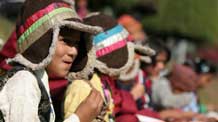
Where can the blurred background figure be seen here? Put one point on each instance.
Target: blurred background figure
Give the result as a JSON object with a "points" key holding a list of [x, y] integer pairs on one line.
{"points": [[82, 8], [205, 70], [1, 43], [10, 8], [134, 27], [206, 74]]}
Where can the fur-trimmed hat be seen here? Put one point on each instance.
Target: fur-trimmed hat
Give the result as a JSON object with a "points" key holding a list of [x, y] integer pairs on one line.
{"points": [[38, 27], [142, 55], [114, 49]]}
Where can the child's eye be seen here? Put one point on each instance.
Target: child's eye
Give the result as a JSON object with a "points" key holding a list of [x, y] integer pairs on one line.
{"points": [[71, 43]]}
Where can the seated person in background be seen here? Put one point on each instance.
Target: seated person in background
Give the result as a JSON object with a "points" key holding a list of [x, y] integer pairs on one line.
{"points": [[206, 72], [183, 79], [134, 81], [163, 98], [162, 95]]}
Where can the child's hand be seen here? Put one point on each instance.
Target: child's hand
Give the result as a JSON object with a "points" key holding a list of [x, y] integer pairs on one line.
{"points": [[138, 91], [90, 107]]}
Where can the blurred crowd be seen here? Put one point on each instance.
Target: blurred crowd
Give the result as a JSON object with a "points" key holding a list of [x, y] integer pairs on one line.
{"points": [[161, 84]]}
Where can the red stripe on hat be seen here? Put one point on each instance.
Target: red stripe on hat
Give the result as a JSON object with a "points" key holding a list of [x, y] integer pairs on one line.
{"points": [[36, 16], [130, 38], [111, 48]]}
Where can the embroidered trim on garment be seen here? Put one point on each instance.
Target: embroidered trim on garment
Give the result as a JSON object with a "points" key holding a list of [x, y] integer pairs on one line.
{"points": [[102, 36], [46, 22], [111, 48], [111, 40], [39, 14], [43, 24], [36, 34]]}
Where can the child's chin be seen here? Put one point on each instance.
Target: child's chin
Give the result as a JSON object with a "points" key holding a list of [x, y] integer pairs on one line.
{"points": [[62, 74]]}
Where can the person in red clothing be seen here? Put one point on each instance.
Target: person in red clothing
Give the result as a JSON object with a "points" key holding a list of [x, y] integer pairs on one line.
{"points": [[8, 51], [115, 55]]}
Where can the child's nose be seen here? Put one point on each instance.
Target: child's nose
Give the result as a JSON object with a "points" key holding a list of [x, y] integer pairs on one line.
{"points": [[72, 51], [161, 65]]}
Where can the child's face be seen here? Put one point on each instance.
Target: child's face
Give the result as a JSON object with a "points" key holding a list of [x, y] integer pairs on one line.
{"points": [[204, 79], [64, 56], [160, 63]]}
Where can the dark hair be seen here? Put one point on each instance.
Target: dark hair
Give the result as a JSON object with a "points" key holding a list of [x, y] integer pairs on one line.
{"points": [[201, 65], [159, 47]]}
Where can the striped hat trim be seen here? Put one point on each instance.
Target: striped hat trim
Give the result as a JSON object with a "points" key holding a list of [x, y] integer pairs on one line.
{"points": [[111, 48], [112, 39], [104, 35], [39, 14], [42, 20], [40, 30]]}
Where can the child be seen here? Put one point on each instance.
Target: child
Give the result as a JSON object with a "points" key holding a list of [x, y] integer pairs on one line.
{"points": [[161, 93], [49, 44], [114, 55]]}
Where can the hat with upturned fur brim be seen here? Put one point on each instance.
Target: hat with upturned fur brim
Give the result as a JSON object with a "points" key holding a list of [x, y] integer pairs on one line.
{"points": [[38, 27]]}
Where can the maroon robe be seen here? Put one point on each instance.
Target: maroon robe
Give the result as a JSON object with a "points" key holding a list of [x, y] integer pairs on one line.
{"points": [[125, 109]]}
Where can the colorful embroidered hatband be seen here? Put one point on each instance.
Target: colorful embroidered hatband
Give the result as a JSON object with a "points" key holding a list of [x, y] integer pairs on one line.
{"points": [[40, 22], [111, 40]]}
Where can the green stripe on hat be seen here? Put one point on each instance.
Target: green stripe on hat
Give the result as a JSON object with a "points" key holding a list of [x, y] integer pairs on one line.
{"points": [[41, 30], [38, 23]]}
